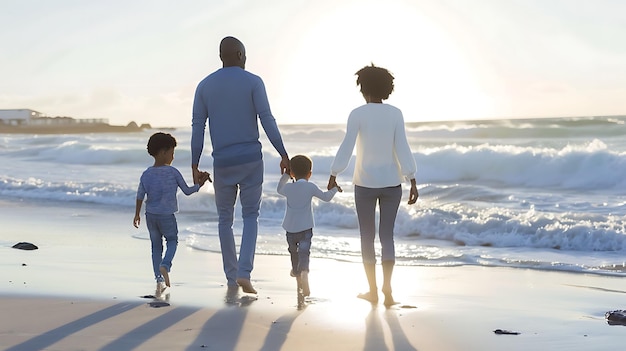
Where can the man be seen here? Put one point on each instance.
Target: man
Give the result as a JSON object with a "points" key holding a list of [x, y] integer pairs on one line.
{"points": [[232, 99]]}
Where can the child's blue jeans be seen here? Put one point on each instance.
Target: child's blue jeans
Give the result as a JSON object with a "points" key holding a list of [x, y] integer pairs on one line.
{"points": [[300, 250], [159, 227]]}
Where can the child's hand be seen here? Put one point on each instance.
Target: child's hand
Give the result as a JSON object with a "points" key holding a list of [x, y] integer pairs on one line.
{"points": [[136, 221]]}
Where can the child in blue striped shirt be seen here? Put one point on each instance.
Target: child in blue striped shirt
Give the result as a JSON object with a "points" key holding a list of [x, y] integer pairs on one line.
{"points": [[159, 184]]}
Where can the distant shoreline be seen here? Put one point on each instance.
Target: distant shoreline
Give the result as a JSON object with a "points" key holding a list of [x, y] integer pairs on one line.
{"points": [[72, 129]]}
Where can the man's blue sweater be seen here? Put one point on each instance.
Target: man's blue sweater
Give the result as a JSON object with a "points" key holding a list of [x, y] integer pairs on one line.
{"points": [[232, 99]]}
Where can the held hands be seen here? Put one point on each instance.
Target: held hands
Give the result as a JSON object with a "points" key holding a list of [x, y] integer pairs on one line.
{"points": [[284, 165], [203, 177], [332, 183], [200, 177]]}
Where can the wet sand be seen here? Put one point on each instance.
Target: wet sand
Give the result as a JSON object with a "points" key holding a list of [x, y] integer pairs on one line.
{"points": [[83, 290]]}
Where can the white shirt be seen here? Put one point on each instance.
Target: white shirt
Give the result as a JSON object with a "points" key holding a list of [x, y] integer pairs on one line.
{"points": [[383, 155], [299, 213]]}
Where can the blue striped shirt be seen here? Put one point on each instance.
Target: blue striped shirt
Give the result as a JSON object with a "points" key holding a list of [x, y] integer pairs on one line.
{"points": [[160, 184]]}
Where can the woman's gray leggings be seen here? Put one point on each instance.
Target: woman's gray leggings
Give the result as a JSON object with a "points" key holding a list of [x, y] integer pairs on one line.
{"points": [[389, 201]]}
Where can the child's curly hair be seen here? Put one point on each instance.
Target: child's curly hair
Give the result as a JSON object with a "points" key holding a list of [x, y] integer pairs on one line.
{"points": [[160, 141], [376, 82]]}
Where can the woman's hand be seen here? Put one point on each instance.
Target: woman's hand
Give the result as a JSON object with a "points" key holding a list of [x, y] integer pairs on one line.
{"points": [[413, 194], [332, 182]]}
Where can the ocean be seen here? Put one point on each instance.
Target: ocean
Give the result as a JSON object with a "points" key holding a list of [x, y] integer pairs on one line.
{"points": [[546, 194]]}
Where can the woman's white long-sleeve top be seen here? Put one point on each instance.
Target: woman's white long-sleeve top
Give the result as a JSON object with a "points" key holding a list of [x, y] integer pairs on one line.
{"points": [[383, 155]]}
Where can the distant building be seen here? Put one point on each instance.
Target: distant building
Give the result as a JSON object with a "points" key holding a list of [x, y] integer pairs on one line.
{"points": [[18, 117], [27, 117]]}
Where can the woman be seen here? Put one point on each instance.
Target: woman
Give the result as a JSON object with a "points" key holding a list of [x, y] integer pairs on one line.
{"points": [[383, 159]]}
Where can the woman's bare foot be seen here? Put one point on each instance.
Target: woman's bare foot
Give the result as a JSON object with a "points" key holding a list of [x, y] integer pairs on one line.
{"points": [[389, 301], [371, 296]]}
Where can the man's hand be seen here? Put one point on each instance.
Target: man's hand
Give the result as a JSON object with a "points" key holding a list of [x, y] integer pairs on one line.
{"points": [[284, 165], [136, 221], [195, 173]]}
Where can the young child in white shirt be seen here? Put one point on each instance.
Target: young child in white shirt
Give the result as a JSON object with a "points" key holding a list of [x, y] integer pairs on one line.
{"points": [[298, 220]]}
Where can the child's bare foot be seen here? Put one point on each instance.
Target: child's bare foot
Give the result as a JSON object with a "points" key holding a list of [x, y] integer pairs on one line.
{"points": [[160, 288], [304, 278], [371, 296], [246, 286], [165, 274]]}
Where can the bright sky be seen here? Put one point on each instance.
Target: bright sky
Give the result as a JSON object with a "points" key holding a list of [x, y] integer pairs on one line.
{"points": [[140, 60]]}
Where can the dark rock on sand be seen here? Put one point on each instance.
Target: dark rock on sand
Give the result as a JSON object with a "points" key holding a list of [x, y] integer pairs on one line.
{"points": [[158, 304], [25, 246], [506, 332], [617, 317]]}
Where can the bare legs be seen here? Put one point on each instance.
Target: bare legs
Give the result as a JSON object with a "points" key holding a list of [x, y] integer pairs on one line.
{"points": [[387, 272], [370, 273]]}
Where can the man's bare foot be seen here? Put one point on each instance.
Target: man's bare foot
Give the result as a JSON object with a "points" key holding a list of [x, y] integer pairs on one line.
{"points": [[246, 286], [165, 274], [304, 279], [371, 296]]}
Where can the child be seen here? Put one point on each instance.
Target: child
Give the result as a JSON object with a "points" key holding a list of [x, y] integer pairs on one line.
{"points": [[298, 221], [160, 183]]}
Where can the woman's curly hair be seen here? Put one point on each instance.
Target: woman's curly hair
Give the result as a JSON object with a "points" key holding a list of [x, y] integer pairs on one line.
{"points": [[376, 82]]}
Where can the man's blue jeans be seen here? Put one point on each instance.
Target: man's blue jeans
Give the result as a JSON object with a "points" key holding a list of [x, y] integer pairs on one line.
{"points": [[300, 250], [247, 179], [159, 227]]}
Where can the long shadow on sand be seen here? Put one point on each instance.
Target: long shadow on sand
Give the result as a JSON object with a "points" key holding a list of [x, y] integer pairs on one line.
{"points": [[400, 341], [375, 335], [43, 341], [222, 330], [278, 333], [146, 331]]}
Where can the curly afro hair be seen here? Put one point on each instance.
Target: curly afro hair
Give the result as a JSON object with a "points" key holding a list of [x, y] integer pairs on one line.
{"points": [[160, 141], [376, 82]]}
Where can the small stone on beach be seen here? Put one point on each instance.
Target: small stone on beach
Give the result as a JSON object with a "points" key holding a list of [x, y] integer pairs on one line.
{"points": [[25, 246], [157, 304], [505, 332]]}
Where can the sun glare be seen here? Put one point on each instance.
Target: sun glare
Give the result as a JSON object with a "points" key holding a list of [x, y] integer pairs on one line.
{"points": [[434, 80]]}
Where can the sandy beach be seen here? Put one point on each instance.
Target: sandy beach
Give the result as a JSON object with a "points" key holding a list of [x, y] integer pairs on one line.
{"points": [[85, 288]]}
